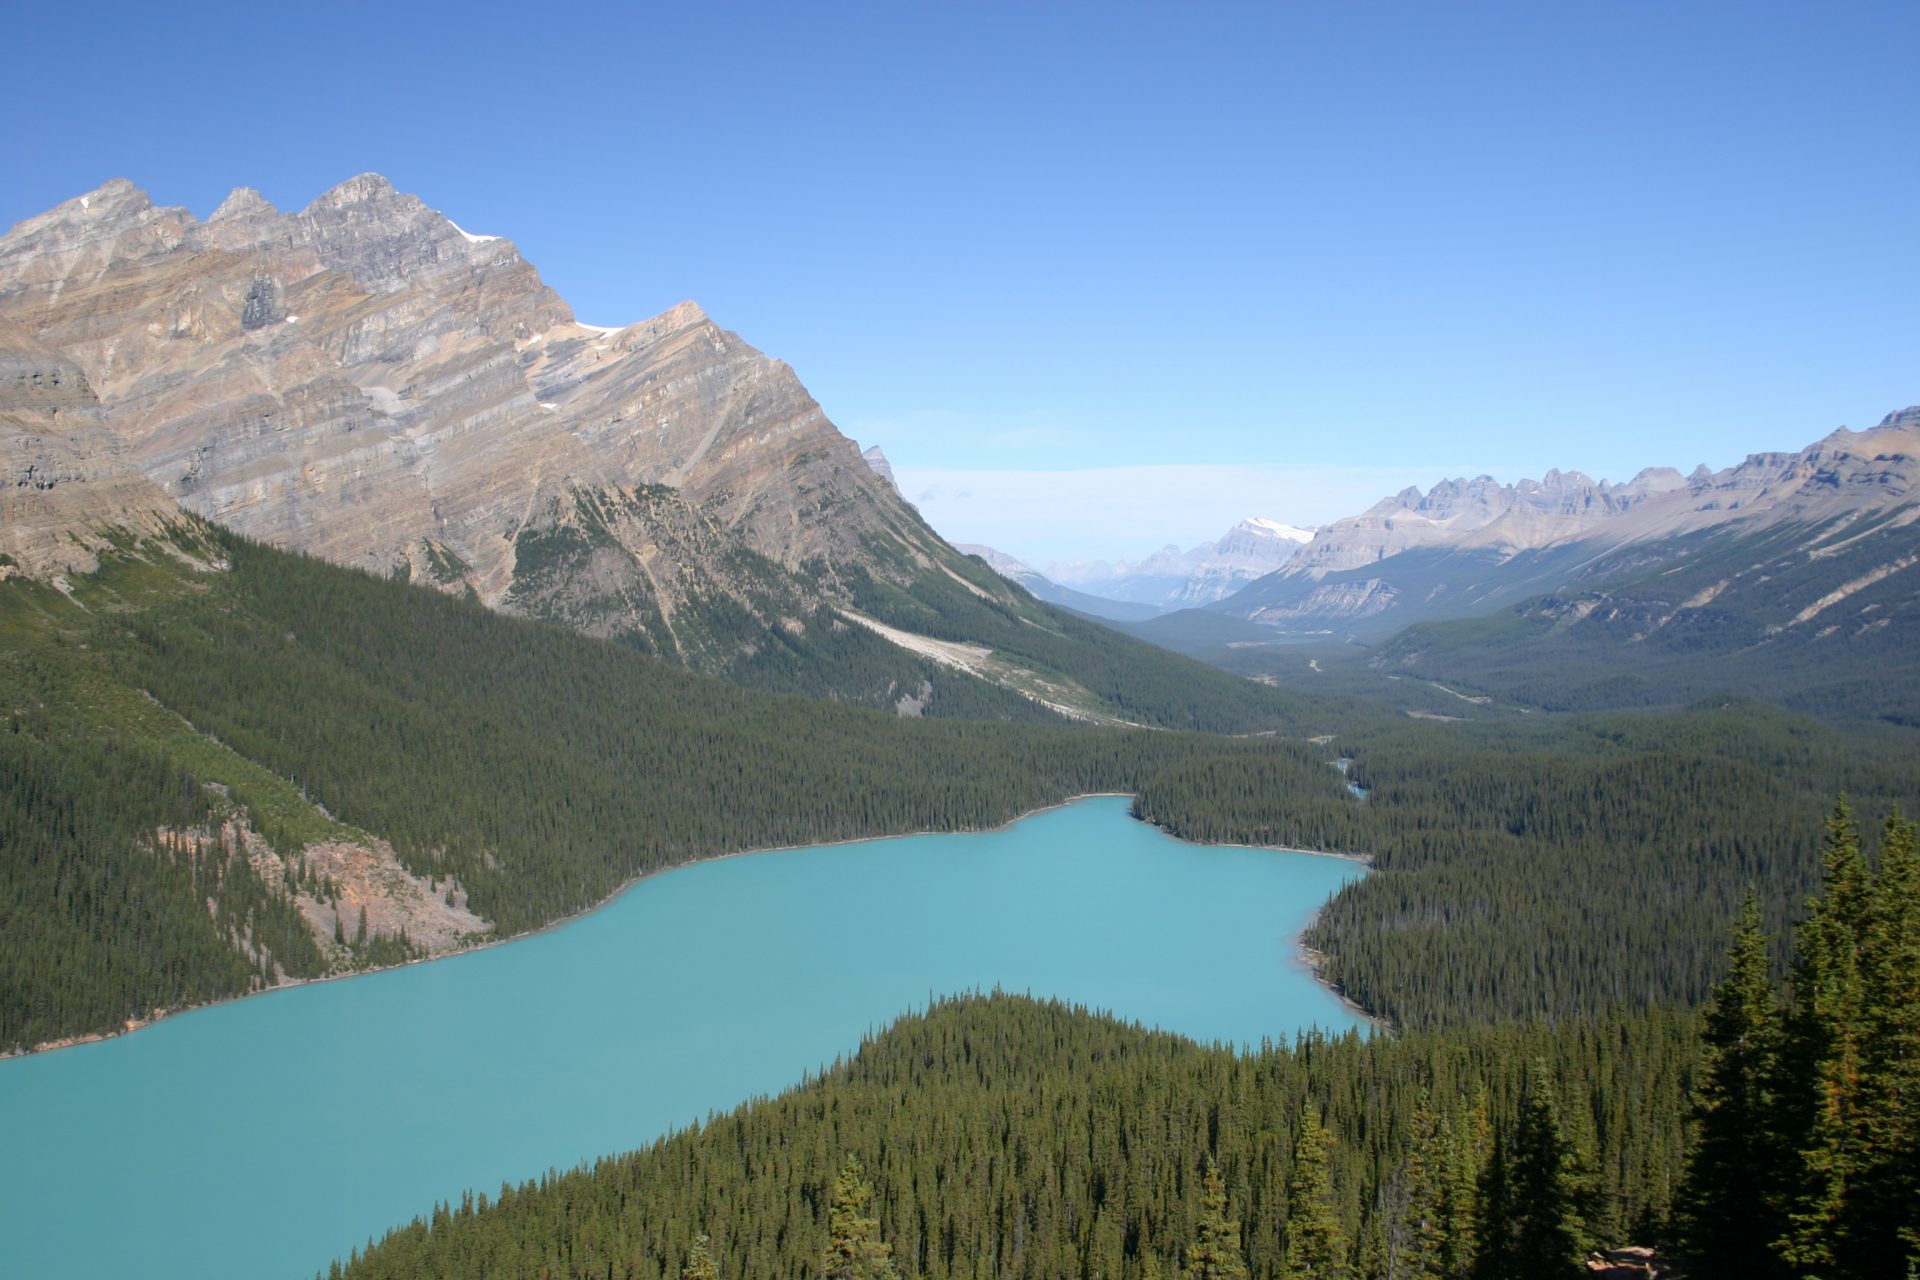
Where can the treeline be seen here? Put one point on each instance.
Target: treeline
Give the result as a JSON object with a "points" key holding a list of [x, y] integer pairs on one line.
{"points": [[1809, 1156], [1009, 1138], [1547, 869]]}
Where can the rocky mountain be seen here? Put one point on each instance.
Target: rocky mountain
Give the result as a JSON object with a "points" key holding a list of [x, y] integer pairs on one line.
{"points": [[366, 381], [877, 462], [1793, 578], [1468, 547], [1176, 579]]}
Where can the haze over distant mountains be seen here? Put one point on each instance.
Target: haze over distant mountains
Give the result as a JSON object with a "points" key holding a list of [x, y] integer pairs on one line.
{"points": [[1172, 578]]}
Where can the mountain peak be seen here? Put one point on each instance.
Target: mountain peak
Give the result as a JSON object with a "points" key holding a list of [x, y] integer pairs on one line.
{"points": [[358, 189], [243, 202]]}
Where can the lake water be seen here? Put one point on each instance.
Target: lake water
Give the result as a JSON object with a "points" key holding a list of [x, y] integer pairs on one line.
{"points": [[266, 1137]]}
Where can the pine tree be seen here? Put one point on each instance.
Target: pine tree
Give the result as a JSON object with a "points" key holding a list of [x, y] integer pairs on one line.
{"points": [[1734, 1170], [700, 1264], [1821, 1056], [1886, 1235], [1544, 1189], [1423, 1238], [1316, 1247], [1215, 1255], [854, 1248], [1468, 1146]]}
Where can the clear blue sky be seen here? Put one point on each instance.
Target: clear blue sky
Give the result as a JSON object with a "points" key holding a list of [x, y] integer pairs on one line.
{"points": [[1346, 246]]}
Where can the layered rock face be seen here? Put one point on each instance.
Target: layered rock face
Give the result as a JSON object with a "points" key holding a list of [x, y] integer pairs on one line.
{"points": [[366, 381], [68, 483]]}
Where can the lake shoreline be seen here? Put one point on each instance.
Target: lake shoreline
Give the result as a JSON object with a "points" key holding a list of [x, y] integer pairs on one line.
{"points": [[1313, 960]]}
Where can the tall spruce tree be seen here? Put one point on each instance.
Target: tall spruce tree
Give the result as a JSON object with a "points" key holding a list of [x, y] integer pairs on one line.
{"points": [[854, 1250], [1533, 1226], [1885, 1239], [1316, 1246], [1468, 1146], [1820, 1061], [1735, 1168], [1215, 1254], [1422, 1240]]}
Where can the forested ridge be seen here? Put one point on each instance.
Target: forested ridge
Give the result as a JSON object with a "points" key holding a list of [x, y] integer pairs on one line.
{"points": [[1008, 1137]]}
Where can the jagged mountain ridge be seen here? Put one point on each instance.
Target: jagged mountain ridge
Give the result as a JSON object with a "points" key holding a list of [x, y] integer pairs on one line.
{"points": [[1469, 547], [366, 381]]}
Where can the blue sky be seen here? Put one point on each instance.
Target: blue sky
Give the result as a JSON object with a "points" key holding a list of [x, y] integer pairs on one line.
{"points": [[1212, 260]]}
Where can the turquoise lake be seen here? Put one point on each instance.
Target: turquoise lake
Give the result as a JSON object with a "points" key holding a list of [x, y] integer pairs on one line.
{"points": [[266, 1137]]}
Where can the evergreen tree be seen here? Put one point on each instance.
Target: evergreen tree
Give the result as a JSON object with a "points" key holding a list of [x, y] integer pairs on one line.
{"points": [[1544, 1190], [1821, 1057], [1316, 1246], [1734, 1170], [1468, 1146], [1886, 1239], [1423, 1240], [700, 1264], [854, 1248], [1215, 1255]]}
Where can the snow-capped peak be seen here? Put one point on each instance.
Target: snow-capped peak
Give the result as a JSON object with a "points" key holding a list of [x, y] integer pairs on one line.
{"points": [[1276, 529]]}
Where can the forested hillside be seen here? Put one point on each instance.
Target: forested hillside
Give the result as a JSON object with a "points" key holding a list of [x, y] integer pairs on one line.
{"points": [[523, 770], [1550, 868], [1005, 1137]]}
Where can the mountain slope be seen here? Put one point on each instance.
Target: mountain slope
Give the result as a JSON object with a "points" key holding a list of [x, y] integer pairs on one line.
{"points": [[1819, 618], [366, 381]]}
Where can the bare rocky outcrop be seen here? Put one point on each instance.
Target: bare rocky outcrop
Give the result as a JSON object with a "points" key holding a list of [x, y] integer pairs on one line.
{"points": [[338, 884]]}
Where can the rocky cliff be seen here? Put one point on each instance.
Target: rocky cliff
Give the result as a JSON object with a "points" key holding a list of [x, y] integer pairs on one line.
{"points": [[68, 483]]}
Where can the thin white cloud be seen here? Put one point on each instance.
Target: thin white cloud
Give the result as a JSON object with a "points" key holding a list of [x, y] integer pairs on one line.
{"points": [[1128, 512]]}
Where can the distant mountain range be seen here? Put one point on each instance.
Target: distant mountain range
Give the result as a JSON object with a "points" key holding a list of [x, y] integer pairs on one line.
{"points": [[1793, 577], [1465, 547], [1169, 579]]}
